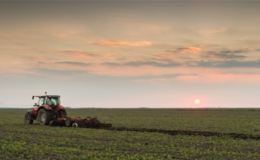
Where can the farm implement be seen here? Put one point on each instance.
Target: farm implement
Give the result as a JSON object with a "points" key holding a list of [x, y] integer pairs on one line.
{"points": [[49, 109]]}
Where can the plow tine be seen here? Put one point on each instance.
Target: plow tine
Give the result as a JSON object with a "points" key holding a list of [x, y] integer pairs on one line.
{"points": [[86, 123]]}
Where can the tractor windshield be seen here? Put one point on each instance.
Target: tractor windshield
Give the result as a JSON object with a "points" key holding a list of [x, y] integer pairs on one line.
{"points": [[53, 102]]}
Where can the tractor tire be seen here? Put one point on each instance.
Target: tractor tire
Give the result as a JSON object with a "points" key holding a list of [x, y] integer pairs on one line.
{"points": [[28, 119], [62, 112], [44, 117], [68, 122]]}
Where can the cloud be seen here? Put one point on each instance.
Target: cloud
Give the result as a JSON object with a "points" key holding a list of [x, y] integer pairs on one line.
{"points": [[151, 63], [81, 54], [37, 58], [210, 32], [56, 72], [166, 56], [228, 54], [145, 63], [185, 50], [201, 45], [167, 77], [221, 55], [219, 78], [229, 64], [143, 27], [111, 64], [243, 50], [74, 63], [66, 62], [124, 43]]}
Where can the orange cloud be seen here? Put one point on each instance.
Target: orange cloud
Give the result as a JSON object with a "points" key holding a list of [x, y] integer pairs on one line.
{"points": [[186, 49], [124, 43], [81, 54]]}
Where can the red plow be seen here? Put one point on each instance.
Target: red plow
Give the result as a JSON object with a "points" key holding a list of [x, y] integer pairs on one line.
{"points": [[82, 122]]}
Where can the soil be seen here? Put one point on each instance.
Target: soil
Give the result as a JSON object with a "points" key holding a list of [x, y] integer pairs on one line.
{"points": [[178, 132], [182, 132]]}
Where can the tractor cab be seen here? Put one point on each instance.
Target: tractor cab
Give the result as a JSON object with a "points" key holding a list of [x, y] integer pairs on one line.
{"points": [[51, 100]]}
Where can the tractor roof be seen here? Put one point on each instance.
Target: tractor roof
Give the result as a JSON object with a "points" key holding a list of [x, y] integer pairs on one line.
{"points": [[49, 96]]}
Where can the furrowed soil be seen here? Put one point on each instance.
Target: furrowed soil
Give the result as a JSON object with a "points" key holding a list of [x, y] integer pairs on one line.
{"points": [[136, 134], [180, 132]]}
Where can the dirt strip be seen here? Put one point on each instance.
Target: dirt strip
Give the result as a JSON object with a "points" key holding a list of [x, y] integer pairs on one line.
{"points": [[181, 132]]}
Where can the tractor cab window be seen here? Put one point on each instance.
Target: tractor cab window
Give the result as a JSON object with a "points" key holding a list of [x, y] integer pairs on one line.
{"points": [[41, 101], [52, 101]]}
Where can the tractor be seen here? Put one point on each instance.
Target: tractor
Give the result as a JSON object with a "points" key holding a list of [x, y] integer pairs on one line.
{"points": [[49, 109]]}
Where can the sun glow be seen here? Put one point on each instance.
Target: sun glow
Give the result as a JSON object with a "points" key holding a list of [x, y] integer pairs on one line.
{"points": [[197, 101]]}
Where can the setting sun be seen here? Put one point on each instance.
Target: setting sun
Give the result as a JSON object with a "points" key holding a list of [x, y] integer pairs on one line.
{"points": [[197, 101]]}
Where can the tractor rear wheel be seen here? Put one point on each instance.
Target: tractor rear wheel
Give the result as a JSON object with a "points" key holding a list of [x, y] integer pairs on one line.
{"points": [[44, 117], [28, 119]]}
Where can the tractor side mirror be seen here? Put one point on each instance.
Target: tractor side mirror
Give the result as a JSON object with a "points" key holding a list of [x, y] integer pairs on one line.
{"points": [[32, 97]]}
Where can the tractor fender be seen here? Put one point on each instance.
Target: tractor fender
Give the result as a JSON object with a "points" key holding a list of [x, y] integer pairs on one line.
{"points": [[34, 110], [31, 114], [60, 107]]}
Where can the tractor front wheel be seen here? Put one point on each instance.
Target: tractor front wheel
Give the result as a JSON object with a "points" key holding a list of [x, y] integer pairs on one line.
{"points": [[28, 119], [44, 117]]}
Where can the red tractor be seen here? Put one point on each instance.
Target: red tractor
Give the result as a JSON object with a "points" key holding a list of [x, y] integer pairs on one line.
{"points": [[49, 109]]}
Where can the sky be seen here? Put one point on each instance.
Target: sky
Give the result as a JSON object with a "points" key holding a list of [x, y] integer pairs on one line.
{"points": [[112, 54]]}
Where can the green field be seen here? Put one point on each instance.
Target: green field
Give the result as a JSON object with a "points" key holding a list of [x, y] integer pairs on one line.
{"points": [[20, 141]]}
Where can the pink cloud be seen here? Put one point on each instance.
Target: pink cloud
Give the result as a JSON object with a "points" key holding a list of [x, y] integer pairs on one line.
{"points": [[186, 49], [82, 54], [124, 43]]}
